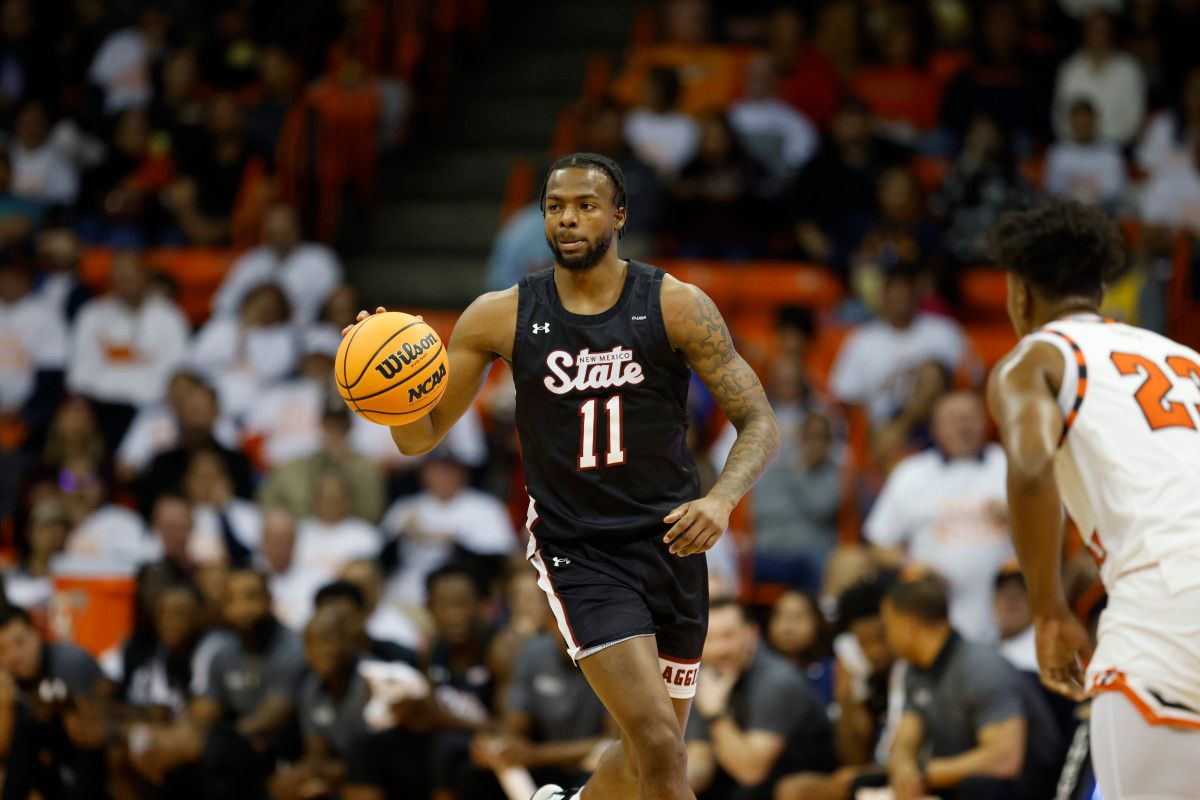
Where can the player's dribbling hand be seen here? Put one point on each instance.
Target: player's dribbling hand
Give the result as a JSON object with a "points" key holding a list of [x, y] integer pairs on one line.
{"points": [[697, 525], [1063, 648], [364, 314]]}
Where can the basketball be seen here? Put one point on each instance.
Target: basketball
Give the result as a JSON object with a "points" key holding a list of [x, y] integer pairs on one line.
{"points": [[391, 368]]}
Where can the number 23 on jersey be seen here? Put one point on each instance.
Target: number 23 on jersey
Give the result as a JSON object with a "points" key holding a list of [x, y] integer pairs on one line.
{"points": [[1151, 396]]}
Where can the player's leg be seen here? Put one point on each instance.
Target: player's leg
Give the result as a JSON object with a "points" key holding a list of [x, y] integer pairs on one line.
{"points": [[650, 761], [1134, 760]]}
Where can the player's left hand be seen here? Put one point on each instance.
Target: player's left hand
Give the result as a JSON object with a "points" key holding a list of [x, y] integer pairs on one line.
{"points": [[697, 525]]}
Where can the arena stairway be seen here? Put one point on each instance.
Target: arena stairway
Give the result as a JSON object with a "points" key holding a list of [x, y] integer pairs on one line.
{"points": [[426, 240]]}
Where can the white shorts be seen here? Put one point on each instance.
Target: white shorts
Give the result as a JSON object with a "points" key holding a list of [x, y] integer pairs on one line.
{"points": [[1137, 760], [1149, 649]]}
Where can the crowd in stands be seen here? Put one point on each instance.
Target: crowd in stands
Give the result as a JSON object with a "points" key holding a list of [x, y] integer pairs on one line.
{"points": [[314, 615]]}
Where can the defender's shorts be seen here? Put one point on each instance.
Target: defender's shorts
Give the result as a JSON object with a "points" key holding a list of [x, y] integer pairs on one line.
{"points": [[604, 592]]}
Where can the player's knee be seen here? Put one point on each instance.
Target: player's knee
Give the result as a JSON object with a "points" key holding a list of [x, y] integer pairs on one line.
{"points": [[659, 744]]}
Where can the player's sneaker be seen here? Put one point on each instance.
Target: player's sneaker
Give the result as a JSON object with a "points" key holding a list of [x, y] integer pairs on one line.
{"points": [[553, 791]]}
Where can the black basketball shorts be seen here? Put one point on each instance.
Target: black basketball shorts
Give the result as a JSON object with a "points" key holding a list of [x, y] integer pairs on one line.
{"points": [[605, 592]]}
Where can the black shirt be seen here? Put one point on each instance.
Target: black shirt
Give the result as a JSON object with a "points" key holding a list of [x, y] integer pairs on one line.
{"points": [[601, 412]]}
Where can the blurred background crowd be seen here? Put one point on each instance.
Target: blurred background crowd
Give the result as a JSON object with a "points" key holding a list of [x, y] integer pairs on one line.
{"points": [[201, 545]]}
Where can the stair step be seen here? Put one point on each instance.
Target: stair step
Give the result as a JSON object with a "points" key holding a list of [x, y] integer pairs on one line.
{"points": [[517, 122], [452, 173], [449, 226], [517, 72], [416, 281]]}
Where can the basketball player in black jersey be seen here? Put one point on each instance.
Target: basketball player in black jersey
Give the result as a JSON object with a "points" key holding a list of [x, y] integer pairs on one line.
{"points": [[601, 349]]}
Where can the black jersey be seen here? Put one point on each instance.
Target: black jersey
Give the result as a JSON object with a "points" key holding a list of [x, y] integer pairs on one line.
{"points": [[601, 412]]}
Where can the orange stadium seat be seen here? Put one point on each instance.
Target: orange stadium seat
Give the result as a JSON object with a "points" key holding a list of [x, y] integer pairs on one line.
{"points": [[984, 293], [197, 271]]}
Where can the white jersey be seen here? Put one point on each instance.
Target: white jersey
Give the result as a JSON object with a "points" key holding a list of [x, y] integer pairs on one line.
{"points": [[1128, 471]]}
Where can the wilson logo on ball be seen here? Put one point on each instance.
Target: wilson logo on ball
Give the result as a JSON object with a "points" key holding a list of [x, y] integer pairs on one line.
{"points": [[411, 351], [426, 386]]}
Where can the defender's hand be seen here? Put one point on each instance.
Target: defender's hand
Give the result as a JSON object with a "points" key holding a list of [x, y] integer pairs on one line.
{"points": [[1063, 648], [697, 525]]}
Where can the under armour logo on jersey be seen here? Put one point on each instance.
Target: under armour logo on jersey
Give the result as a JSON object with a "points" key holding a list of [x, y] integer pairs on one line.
{"points": [[638, 319], [558, 562], [541, 327]]}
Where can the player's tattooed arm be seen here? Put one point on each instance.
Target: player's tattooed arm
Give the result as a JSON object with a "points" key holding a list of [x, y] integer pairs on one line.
{"points": [[697, 330]]}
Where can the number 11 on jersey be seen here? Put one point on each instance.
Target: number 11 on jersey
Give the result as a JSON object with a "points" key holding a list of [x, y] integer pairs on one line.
{"points": [[587, 436]]}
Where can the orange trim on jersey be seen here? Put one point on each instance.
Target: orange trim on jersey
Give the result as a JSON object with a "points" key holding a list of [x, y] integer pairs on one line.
{"points": [[1114, 681], [1080, 386]]}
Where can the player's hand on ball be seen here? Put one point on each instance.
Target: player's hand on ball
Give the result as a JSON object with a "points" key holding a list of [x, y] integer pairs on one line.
{"points": [[1063, 648], [697, 525], [364, 314]]}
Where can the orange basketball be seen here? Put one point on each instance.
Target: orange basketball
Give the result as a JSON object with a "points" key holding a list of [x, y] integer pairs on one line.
{"points": [[391, 368]]}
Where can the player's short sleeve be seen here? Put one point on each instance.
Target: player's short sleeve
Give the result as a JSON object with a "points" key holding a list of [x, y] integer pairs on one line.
{"points": [[991, 689]]}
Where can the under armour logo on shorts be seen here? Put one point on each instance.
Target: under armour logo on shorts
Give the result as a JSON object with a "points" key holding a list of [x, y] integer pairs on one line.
{"points": [[558, 562], [541, 327]]}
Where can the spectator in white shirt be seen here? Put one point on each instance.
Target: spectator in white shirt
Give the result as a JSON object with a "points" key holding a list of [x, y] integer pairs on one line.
{"points": [[1082, 167], [155, 428], [776, 134], [126, 346], [227, 528], [330, 538], [1014, 618], [1170, 135], [244, 355], [1171, 200], [292, 584], [41, 169], [944, 508], [445, 515], [1111, 79], [657, 132], [878, 365], [102, 532], [287, 418], [33, 339], [385, 620], [121, 66], [27, 583], [307, 272]]}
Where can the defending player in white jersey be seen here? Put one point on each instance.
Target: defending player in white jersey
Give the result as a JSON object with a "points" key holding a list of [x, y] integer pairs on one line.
{"points": [[1103, 418]]}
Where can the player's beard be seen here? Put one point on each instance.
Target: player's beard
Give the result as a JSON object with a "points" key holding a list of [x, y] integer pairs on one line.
{"points": [[580, 262]]}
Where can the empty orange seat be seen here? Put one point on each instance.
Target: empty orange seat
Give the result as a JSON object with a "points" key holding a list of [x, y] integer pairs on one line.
{"points": [[984, 291], [991, 342]]}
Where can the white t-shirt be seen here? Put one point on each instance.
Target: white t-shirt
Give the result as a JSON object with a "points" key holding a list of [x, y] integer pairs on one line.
{"points": [[391, 624], [1092, 174], [32, 337], [121, 69], [113, 533], [308, 275], [666, 142], [472, 519], [465, 441], [1117, 90], [45, 173], [1159, 147], [1021, 650], [243, 362], [288, 416], [1172, 200], [328, 548], [125, 355], [949, 516], [207, 543], [26, 591], [292, 594], [780, 129], [877, 363]]}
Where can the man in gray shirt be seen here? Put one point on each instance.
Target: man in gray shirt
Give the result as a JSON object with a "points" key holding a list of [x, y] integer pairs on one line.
{"points": [[553, 721], [51, 706], [755, 718], [978, 728]]}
